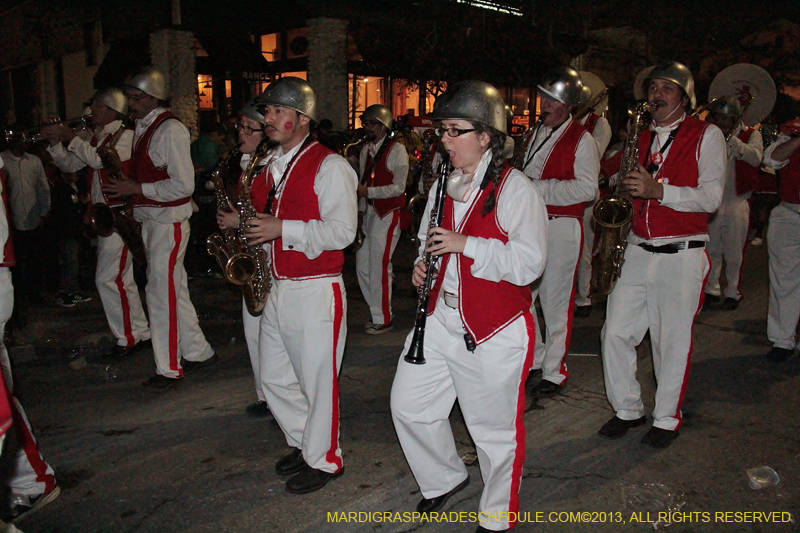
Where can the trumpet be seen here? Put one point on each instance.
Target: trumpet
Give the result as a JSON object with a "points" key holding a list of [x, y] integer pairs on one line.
{"points": [[34, 134]]}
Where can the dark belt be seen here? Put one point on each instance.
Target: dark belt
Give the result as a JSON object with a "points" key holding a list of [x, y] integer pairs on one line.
{"points": [[673, 248]]}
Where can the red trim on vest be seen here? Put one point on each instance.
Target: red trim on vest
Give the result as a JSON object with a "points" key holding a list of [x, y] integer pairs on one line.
{"points": [[102, 173], [651, 220], [486, 307], [746, 174], [591, 122], [382, 176], [299, 201], [177, 236], [338, 315], [519, 422], [123, 298], [789, 180], [143, 170], [259, 189], [8, 246], [560, 165]]}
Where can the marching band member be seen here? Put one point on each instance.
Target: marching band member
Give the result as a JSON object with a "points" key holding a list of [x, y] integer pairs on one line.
{"points": [[160, 185], [783, 239], [727, 228], [383, 166], [250, 126], [114, 275], [563, 162], [31, 483], [600, 130], [661, 284], [480, 336], [311, 218]]}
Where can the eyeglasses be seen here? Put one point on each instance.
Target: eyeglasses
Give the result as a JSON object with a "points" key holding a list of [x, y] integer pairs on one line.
{"points": [[247, 130], [136, 96], [369, 123], [451, 132]]}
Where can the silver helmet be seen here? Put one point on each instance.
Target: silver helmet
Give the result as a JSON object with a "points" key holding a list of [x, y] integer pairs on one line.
{"points": [[676, 73], [250, 110], [292, 93], [472, 100], [586, 95], [726, 106], [562, 85], [380, 113], [113, 98], [150, 81]]}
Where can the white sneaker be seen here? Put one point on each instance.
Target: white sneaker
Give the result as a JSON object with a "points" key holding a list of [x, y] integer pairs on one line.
{"points": [[756, 242], [25, 504]]}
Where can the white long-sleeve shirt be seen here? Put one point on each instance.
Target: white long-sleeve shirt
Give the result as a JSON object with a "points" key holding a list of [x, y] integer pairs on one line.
{"points": [[749, 152], [29, 192], [169, 147], [396, 162], [706, 197], [601, 134], [522, 215], [586, 168], [335, 185], [80, 153], [777, 165]]}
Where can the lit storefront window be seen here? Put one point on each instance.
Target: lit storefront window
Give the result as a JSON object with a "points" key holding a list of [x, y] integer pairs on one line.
{"points": [[205, 92], [270, 46]]}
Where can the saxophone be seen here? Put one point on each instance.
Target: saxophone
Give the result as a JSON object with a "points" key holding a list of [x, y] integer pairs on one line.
{"points": [[225, 245], [105, 219], [613, 213], [252, 261]]}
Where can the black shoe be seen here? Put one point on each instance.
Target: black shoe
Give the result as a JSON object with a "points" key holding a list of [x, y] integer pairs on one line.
{"points": [[310, 480], [159, 383], [434, 504], [546, 389], [616, 427], [25, 505], [659, 438], [260, 409], [779, 355], [291, 464], [481, 529], [583, 311], [711, 301], [730, 304], [188, 366], [120, 352]]}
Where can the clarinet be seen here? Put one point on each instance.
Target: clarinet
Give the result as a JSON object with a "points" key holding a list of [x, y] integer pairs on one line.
{"points": [[415, 354]]}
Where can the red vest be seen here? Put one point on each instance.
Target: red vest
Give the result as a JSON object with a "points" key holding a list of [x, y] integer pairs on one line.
{"points": [[652, 220], [486, 307], [747, 175], [102, 174], [591, 122], [143, 170], [8, 247], [560, 165], [381, 176], [298, 201], [789, 180]]}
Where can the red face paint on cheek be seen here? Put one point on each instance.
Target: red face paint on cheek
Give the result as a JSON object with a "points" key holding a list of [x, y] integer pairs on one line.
{"points": [[287, 126]]}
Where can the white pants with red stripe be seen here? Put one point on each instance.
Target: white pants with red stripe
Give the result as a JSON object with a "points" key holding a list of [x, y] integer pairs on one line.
{"points": [[303, 331], [584, 288], [662, 293], [118, 291], [174, 328], [252, 330], [556, 292], [31, 474], [490, 387], [727, 233], [783, 238], [374, 262]]}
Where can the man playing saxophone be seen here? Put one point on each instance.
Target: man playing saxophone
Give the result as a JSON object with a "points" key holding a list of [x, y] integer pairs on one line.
{"points": [[114, 274], [383, 166], [251, 133], [311, 218], [676, 186]]}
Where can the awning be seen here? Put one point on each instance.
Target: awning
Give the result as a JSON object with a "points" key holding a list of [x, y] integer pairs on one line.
{"points": [[233, 58]]}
